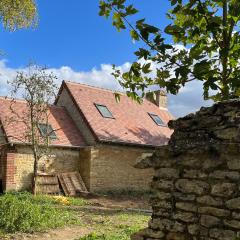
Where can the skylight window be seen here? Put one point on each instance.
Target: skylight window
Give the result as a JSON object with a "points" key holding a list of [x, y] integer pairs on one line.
{"points": [[46, 130], [104, 111], [157, 119]]}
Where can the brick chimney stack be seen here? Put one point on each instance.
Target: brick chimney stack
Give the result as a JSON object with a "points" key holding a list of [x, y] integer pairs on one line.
{"points": [[159, 98]]}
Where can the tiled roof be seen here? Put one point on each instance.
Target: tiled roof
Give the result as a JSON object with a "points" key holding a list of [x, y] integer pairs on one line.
{"points": [[131, 123], [67, 133]]}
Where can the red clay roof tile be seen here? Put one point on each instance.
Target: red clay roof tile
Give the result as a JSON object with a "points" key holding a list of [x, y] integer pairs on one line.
{"points": [[131, 124], [67, 132]]}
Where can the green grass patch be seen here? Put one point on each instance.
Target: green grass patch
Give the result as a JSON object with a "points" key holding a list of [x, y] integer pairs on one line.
{"points": [[123, 234], [115, 226], [77, 201], [23, 212]]}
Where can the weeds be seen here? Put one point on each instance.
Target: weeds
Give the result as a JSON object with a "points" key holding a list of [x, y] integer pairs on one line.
{"points": [[124, 234], [23, 212]]}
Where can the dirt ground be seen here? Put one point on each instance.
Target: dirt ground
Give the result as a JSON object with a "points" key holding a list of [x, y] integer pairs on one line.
{"points": [[67, 233], [100, 211], [123, 202]]}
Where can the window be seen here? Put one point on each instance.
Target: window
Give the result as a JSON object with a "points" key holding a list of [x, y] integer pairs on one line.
{"points": [[46, 130], [104, 111], [157, 119]]}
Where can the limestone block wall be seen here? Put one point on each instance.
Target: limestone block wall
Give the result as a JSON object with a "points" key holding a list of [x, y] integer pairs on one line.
{"points": [[196, 179], [112, 168], [85, 165], [59, 160]]}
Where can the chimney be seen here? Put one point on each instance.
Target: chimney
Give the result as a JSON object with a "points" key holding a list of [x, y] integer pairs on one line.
{"points": [[159, 98]]}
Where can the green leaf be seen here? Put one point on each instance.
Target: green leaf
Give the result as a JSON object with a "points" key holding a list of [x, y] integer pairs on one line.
{"points": [[117, 97], [172, 29], [134, 35], [142, 53], [146, 68]]}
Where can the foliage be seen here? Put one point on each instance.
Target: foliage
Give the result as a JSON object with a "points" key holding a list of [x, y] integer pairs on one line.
{"points": [[207, 47], [107, 226], [49, 200], [38, 89], [18, 13], [123, 234], [20, 212]]}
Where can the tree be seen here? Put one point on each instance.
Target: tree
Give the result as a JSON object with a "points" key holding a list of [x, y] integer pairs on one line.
{"points": [[18, 13], [209, 33], [37, 88]]}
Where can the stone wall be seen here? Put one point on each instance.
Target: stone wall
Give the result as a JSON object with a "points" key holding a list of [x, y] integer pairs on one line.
{"points": [[112, 168], [85, 165], [60, 160], [197, 176]]}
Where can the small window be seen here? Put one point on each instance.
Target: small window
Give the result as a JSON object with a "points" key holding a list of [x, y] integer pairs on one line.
{"points": [[157, 119], [104, 111], [46, 130]]}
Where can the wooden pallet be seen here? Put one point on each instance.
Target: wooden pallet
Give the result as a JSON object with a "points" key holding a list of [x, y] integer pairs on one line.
{"points": [[72, 184], [47, 184]]}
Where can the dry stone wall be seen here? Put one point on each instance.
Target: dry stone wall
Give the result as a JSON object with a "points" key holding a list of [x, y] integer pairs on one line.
{"points": [[197, 176]]}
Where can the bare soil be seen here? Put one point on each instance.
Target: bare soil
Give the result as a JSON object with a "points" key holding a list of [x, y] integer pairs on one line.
{"points": [[68, 233], [122, 202]]}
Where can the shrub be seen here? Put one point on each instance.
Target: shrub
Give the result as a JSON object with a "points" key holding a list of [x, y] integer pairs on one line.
{"points": [[26, 213]]}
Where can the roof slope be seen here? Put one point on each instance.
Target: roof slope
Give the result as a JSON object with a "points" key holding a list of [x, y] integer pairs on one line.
{"points": [[15, 130], [131, 124]]}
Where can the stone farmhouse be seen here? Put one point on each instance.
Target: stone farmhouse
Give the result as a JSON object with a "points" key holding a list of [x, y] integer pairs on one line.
{"points": [[93, 134]]}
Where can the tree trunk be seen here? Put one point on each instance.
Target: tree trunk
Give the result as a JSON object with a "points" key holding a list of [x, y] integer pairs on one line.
{"points": [[35, 169]]}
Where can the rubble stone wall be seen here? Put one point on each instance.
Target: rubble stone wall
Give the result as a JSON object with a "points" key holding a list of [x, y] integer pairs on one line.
{"points": [[197, 176]]}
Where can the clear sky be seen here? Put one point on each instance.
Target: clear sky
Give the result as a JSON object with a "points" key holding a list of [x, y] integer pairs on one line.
{"points": [[78, 44]]}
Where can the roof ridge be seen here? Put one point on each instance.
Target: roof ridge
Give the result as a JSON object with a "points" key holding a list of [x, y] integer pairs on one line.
{"points": [[95, 87], [109, 90], [11, 99], [24, 101]]}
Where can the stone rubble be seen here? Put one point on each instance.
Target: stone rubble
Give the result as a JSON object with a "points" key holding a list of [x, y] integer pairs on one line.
{"points": [[197, 176]]}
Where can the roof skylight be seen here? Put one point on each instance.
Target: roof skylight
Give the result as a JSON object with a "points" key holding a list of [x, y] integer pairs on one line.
{"points": [[46, 130], [104, 111], [156, 119]]}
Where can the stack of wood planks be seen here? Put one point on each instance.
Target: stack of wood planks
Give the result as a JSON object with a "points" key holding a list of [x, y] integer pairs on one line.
{"points": [[72, 184]]}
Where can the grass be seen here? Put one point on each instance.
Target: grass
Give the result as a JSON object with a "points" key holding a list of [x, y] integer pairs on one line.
{"points": [[47, 199], [23, 212], [115, 226]]}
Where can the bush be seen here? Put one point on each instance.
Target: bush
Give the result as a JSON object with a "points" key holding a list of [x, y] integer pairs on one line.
{"points": [[25, 213]]}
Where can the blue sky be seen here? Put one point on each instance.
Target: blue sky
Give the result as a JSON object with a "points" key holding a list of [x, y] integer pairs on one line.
{"points": [[76, 43], [71, 33]]}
